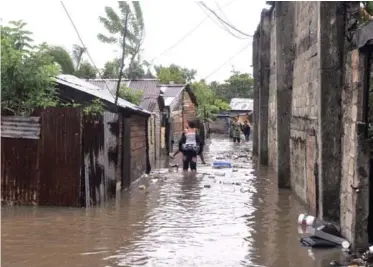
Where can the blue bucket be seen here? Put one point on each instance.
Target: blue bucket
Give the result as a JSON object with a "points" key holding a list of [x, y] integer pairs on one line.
{"points": [[221, 164]]}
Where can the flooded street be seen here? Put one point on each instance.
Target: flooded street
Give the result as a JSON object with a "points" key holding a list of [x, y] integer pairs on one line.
{"points": [[178, 221]]}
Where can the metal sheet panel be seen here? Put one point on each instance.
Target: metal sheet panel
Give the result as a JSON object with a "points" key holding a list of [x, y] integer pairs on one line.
{"points": [[20, 127], [60, 157]]}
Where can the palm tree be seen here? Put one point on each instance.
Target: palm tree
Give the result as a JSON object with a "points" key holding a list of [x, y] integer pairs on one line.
{"points": [[78, 52], [114, 24]]}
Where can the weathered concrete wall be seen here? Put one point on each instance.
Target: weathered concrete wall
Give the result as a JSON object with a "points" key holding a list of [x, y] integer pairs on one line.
{"points": [[285, 23], [354, 197], [264, 54], [256, 68], [318, 79], [304, 112], [272, 100]]}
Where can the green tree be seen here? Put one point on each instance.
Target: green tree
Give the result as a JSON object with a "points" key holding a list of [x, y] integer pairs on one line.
{"points": [[111, 69], [62, 58], [130, 95], [239, 85], [114, 24], [86, 71], [20, 37], [27, 75], [208, 104], [174, 73]]}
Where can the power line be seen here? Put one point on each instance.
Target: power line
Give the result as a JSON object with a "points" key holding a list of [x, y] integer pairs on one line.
{"points": [[223, 21], [222, 26], [186, 35], [227, 61], [86, 50]]}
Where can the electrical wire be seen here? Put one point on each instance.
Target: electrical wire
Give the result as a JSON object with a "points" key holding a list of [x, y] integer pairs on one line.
{"points": [[223, 21], [86, 50], [227, 61], [186, 35], [222, 26]]}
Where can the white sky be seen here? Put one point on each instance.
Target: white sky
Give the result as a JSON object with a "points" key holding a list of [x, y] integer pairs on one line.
{"points": [[206, 49]]}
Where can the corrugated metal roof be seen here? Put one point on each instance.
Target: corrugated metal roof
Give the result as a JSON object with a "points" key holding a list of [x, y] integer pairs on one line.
{"points": [[242, 104], [171, 90], [168, 100], [20, 127], [148, 104], [89, 88], [149, 87]]}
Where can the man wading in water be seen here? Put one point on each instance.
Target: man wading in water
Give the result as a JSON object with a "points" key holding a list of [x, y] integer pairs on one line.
{"points": [[191, 146]]}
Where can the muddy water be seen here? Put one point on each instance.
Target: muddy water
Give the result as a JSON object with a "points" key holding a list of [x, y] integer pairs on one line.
{"points": [[175, 221]]}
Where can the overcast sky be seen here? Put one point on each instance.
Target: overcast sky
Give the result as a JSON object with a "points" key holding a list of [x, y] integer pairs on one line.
{"points": [[205, 50]]}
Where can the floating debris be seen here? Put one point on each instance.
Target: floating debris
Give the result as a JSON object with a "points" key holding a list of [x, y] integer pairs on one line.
{"points": [[207, 186]]}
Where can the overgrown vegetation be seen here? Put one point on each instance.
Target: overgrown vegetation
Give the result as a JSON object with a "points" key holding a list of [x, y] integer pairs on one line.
{"points": [[27, 72], [95, 108], [133, 96], [208, 103]]}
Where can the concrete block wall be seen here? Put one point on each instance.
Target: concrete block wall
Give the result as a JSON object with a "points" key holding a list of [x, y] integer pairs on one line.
{"points": [[314, 103], [356, 152], [304, 108], [272, 100]]}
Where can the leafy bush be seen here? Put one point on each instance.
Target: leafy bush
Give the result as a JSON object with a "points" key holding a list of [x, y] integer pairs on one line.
{"points": [[130, 95], [27, 72]]}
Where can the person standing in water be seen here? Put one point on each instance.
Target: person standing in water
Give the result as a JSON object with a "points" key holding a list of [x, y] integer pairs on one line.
{"points": [[246, 128], [191, 146], [236, 130], [200, 153]]}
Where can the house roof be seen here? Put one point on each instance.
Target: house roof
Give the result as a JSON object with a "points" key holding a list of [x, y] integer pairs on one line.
{"points": [[171, 90], [102, 93], [241, 104], [149, 87]]}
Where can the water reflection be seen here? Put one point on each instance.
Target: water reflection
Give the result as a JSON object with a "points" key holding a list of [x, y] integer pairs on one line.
{"points": [[174, 222]]}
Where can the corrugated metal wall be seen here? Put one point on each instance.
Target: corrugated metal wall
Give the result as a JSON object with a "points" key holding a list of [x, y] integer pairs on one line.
{"points": [[44, 171], [78, 160], [94, 163], [60, 157]]}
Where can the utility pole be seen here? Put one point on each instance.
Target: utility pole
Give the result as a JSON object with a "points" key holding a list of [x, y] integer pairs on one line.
{"points": [[123, 56]]}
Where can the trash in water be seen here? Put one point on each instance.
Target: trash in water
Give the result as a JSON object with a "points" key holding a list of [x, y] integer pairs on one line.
{"points": [[221, 164], [322, 234], [207, 186], [142, 187], [220, 173], [234, 170], [211, 176]]}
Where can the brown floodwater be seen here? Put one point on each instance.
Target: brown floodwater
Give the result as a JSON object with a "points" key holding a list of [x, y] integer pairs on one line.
{"points": [[174, 222]]}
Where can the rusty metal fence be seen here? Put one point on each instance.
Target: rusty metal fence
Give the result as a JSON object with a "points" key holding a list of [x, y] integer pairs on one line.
{"points": [[60, 157]]}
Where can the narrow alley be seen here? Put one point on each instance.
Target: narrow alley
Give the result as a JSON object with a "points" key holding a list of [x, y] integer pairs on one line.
{"points": [[225, 217]]}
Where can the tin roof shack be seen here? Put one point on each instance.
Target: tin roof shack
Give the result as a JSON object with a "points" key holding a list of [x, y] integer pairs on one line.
{"points": [[242, 107], [111, 160], [180, 106], [150, 101]]}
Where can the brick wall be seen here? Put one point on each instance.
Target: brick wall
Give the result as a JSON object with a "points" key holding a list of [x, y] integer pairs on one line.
{"points": [[189, 109], [138, 146]]}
